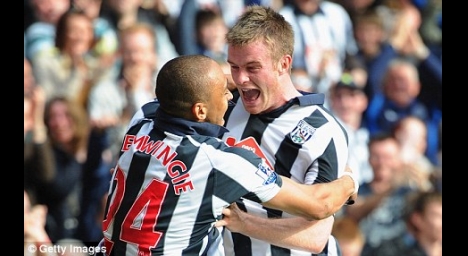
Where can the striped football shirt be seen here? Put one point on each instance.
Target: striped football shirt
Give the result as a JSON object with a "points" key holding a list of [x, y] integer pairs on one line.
{"points": [[171, 182], [303, 141]]}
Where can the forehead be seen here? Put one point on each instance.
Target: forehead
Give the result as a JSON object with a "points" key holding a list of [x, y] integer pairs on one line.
{"points": [[255, 52], [216, 72], [137, 38]]}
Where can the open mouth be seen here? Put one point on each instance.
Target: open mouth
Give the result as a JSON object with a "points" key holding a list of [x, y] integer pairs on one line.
{"points": [[250, 95]]}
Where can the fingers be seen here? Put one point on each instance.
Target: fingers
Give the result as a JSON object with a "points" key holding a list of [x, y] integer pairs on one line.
{"points": [[226, 213], [352, 199], [220, 223]]}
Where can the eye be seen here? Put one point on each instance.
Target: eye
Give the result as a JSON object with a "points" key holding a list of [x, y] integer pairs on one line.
{"points": [[253, 69]]}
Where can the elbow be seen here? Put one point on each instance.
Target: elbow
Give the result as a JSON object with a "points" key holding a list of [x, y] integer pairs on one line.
{"points": [[318, 248], [314, 247], [327, 211], [319, 214]]}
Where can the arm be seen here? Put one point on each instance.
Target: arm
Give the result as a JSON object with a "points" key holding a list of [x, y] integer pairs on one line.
{"points": [[317, 201], [41, 165], [35, 235], [293, 233]]}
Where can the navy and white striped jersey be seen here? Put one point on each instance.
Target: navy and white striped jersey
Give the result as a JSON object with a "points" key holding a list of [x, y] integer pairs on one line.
{"points": [[303, 141], [171, 183]]}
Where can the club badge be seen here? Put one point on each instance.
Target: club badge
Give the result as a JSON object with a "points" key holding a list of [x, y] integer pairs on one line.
{"points": [[302, 132]]}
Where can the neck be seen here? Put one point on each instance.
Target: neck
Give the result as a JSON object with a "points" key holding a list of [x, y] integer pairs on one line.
{"points": [[353, 123]]}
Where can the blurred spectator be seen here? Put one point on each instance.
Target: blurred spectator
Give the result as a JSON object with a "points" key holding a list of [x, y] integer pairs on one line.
{"points": [[105, 38], [113, 103], [431, 24], [40, 34], [68, 133], [374, 50], [38, 156], [186, 37], [210, 33], [411, 133], [409, 43], [69, 70], [426, 16], [34, 228], [349, 236], [348, 102], [423, 236], [399, 98], [377, 49], [323, 38], [122, 14], [38, 159], [379, 207]]}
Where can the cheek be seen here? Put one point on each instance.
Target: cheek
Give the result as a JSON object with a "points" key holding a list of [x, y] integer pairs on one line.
{"points": [[222, 107]]}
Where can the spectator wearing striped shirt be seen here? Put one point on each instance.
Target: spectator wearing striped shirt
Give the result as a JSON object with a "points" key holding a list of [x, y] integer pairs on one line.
{"points": [[174, 176], [323, 38]]}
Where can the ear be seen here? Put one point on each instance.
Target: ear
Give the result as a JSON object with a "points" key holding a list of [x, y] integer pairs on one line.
{"points": [[285, 64], [417, 220], [199, 111]]}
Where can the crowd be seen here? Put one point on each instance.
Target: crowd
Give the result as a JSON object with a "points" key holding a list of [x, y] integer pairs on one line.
{"points": [[90, 65]]}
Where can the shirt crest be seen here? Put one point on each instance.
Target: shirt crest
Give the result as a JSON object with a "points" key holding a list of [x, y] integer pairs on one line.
{"points": [[302, 132]]}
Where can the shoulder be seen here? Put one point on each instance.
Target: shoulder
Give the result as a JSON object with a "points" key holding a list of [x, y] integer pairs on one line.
{"points": [[334, 11], [328, 6], [214, 147], [311, 99], [40, 29], [46, 56]]}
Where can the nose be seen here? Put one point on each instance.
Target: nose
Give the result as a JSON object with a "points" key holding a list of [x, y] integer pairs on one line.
{"points": [[240, 77], [229, 98]]}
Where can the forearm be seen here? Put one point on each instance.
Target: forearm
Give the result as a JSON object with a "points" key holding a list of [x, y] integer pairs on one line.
{"points": [[334, 194], [45, 163], [292, 233], [313, 202]]}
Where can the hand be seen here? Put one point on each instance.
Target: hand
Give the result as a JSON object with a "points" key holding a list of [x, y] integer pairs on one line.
{"points": [[233, 218], [354, 196], [352, 199], [34, 228]]}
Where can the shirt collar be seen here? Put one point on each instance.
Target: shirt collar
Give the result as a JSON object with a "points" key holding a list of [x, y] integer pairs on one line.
{"points": [[180, 126], [307, 99]]}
